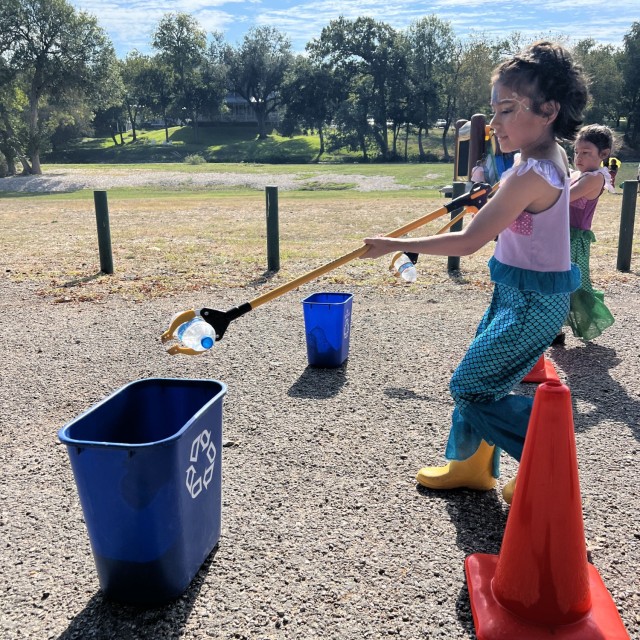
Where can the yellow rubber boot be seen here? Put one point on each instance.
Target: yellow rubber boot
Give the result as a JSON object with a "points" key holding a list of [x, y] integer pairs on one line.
{"points": [[508, 489], [472, 473]]}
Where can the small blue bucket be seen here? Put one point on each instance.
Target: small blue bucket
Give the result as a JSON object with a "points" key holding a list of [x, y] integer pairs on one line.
{"points": [[327, 321]]}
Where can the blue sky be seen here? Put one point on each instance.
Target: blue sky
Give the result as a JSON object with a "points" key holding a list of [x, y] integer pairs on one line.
{"points": [[130, 23]]}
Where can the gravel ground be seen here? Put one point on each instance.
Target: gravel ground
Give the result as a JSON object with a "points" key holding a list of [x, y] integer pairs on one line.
{"points": [[324, 534]]}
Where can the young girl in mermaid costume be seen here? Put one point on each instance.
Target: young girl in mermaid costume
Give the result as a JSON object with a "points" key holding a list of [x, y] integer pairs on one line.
{"points": [[538, 97], [588, 315]]}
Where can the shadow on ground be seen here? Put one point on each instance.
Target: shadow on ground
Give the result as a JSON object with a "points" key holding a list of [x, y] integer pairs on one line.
{"points": [[400, 393], [589, 379], [263, 278], [76, 281], [480, 518], [102, 619], [318, 383]]}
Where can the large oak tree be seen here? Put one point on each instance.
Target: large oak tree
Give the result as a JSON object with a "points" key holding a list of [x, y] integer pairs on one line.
{"points": [[52, 49]]}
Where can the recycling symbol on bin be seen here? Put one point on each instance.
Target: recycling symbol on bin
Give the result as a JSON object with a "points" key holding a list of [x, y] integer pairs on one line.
{"points": [[203, 452], [347, 324]]}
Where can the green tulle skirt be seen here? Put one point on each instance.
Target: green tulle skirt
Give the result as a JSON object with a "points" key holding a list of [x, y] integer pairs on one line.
{"points": [[588, 314]]}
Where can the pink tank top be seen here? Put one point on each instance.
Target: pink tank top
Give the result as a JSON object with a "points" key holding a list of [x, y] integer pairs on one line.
{"points": [[538, 241]]}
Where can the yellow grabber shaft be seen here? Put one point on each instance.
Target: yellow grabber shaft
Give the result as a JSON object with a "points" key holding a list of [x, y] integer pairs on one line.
{"points": [[470, 199], [220, 320], [451, 222]]}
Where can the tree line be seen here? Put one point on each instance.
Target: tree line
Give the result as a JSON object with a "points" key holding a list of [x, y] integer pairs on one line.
{"points": [[361, 84]]}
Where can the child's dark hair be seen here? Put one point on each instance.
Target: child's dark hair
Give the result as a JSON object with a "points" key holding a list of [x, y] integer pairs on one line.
{"points": [[545, 71], [597, 134]]}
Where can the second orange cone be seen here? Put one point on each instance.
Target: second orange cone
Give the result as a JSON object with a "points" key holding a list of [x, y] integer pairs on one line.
{"points": [[543, 371]]}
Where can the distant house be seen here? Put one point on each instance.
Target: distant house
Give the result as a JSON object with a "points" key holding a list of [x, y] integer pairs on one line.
{"points": [[238, 110]]}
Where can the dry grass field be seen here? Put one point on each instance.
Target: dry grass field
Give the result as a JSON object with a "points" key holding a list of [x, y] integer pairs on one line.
{"points": [[164, 245]]}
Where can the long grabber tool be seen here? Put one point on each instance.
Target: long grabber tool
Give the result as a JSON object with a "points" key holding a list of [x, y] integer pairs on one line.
{"points": [[220, 320]]}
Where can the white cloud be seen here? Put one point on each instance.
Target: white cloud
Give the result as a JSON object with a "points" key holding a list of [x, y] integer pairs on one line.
{"points": [[131, 23], [498, 18]]}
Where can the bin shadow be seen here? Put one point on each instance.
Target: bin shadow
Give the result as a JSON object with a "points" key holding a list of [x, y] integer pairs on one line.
{"points": [[318, 383], [587, 370], [480, 519], [104, 619]]}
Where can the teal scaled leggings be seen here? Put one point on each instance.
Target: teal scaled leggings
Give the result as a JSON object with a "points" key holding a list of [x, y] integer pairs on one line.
{"points": [[512, 335]]}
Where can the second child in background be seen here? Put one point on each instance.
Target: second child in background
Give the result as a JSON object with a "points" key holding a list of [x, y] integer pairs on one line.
{"points": [[614, 165], [477, 173], [588, 315]]}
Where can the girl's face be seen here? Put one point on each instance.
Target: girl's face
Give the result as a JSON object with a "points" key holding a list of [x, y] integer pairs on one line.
{"points": [[588, 157], [515, 124]]}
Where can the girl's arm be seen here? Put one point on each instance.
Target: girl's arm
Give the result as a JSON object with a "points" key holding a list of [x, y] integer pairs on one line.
{"points": [[519, 193], [588, 186]]}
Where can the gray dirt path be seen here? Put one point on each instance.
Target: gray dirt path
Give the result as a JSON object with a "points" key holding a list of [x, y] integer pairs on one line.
{"points": [[62, 179], [324, 534]]}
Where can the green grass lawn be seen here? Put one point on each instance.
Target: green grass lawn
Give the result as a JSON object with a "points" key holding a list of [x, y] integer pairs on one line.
{"points": [[225, 143], [414, 175]]}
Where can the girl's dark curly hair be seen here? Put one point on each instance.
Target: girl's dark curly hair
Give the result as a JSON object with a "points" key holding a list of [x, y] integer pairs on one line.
{"points": [[545, 71], [598, 134]]}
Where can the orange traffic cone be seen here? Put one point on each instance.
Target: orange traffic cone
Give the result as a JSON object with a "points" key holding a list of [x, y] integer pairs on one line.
{"points": [[543, 371], [541, 585]]}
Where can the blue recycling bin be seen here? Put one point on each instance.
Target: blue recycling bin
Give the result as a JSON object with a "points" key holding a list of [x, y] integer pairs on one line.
{"points": [[147, 463], [327, 321]]}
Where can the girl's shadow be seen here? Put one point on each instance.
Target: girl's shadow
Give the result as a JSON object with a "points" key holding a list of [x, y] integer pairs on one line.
{"points": [[480, 519], [587, 370]]}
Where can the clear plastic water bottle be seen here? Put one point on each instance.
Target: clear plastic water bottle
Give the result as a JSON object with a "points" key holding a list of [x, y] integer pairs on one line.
{"points": [[404, 267], [197, 334]]}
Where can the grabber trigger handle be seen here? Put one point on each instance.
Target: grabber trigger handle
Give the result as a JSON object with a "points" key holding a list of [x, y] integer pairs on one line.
{"points": [[479, 194]]}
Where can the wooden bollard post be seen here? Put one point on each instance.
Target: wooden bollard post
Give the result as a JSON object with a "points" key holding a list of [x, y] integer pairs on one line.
{"points": [[104, 233], [453, 262], [273, 236], [627, 220]]}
